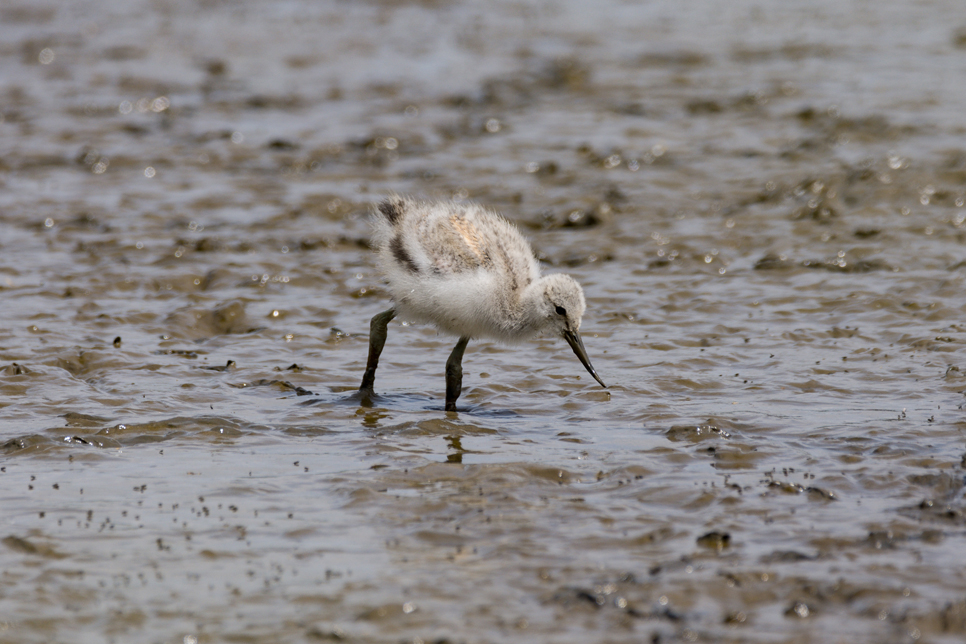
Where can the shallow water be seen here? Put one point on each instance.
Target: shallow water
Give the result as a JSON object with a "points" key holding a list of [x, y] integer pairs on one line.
{"points": [[763, 202]]}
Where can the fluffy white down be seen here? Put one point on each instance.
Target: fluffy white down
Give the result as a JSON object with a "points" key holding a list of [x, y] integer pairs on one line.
{"points": [[436, 282]]}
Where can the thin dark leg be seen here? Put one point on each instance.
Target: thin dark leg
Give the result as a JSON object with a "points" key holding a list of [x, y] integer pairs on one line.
{"points": [[377, 340], [454, 374]]}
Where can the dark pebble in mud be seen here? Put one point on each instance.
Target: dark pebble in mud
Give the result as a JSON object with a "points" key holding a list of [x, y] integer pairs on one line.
{"points": [[714, 540], [230, 365]]}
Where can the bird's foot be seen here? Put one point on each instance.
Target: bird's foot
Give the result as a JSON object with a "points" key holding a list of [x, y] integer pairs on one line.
{"points": [[365, 396]]}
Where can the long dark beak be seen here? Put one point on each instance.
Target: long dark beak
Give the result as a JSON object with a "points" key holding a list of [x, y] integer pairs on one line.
{"points": [[573, 339]]}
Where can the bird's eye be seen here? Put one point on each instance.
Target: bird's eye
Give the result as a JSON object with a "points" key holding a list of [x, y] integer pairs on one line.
{"points": [[561, 310]]}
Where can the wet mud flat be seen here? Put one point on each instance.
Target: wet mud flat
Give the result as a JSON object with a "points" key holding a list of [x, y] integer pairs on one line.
{"points": [[764, 204]]}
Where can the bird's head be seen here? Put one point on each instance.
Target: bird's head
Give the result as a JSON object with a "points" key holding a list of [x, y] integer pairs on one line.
{"points": [[561, 307]]}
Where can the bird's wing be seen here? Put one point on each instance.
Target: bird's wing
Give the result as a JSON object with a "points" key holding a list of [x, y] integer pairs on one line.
{"points": [[455, 244], [471, 238]]}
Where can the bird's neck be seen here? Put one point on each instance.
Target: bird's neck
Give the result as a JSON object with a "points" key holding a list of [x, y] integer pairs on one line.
{"points": [[527, 316]]}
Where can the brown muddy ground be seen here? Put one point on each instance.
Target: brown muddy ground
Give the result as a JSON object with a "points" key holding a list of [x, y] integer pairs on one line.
{"points": [[764, 202]]}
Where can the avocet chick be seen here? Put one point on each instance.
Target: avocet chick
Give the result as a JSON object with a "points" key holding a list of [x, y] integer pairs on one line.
{"points": [[469, 272]]}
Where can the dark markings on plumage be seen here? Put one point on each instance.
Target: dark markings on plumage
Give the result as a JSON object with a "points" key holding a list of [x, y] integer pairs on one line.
{"points": [[390, 210], [396, 246], [508, 263]]}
